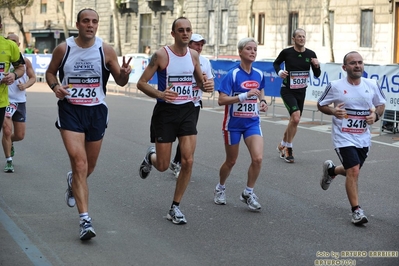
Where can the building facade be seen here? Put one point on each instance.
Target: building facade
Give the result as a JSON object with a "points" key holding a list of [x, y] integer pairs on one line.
{"points": [[333, 27]]}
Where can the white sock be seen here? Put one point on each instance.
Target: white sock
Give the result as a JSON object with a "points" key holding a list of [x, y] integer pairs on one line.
{"points": [[220, 187], [248, 190], [84, 216]]}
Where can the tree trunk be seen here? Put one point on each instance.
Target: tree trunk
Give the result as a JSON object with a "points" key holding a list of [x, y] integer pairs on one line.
{"points": [[249, 16], [11, 8], [327, 29], [180, 8], [117, 35], [64, 24]]}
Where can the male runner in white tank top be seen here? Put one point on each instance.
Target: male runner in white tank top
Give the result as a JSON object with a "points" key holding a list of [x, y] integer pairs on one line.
{"points": [[83, 64], [175, 66]]}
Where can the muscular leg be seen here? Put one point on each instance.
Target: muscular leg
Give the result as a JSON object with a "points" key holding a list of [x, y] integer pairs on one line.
{"points": [[351, 183], [255, 147], [19, 131], [187, 148], [6, 140], [292, 127], [161, 159], [352, 175], [177, 158], [231, 158], [83, 156]]}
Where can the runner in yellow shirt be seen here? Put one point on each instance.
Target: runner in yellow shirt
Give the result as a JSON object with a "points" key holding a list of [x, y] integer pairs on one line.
{"points": [[9, 54]]}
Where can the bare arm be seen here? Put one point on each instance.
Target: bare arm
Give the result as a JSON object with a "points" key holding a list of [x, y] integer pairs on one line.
{"points": [[209, 84], [158, 60], [378, 112], [338, 111], [51, 73], [225, 99], [120, 73], [9, 77], [263, 104], [31, 74], [199, 78]]}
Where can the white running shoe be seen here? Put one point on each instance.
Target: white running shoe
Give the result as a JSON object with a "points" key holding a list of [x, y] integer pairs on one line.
{"points": [[69, 198], [220, 197], [251, 200], [176, 216], [358, 217], [326, 179]]}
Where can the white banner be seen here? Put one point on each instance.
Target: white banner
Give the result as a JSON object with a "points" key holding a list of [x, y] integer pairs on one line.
{"points": [[137, 64], [387, 76]]}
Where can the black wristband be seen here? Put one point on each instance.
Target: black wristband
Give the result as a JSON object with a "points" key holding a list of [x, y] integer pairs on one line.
{"points": [[263, 100], [52, 86], [16, 76]]}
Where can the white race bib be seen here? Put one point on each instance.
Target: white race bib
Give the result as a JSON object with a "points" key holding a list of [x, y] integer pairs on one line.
{"points": [[299, 79], [11, 109], [83, 90], [183, 85], [247, 108]]}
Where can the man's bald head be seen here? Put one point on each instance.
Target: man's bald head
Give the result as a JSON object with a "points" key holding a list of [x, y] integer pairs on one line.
{"points": [[13, 37]]}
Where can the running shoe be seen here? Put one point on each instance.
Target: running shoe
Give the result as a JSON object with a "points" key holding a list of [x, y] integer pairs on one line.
{"points": [[86, 230], [280, 149], [12, 149], [9, 167], [358, 217], [145, 167], [176, 216], [288, 155], [175, 167], [220, 197], [251, 200], [326, 179], [69, 198]]}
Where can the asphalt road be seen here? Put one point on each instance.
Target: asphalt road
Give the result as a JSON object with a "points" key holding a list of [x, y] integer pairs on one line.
{"points": [[300, 224]]}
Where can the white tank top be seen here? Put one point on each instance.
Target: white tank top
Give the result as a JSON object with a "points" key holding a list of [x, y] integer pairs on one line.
{"points": [[84, 70], [15, 95], [179, 72]]}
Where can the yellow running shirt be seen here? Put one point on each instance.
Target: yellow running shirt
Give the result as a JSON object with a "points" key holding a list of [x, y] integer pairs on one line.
{"points": [[9, 54]]}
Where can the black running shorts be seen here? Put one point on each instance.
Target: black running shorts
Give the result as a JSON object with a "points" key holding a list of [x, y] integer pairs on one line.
{"points": [[351, 156], [293, 99], [91, 120], [171, 120]]}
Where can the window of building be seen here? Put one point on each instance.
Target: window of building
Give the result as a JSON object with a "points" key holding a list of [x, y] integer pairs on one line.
{"points": [[43, 6], [366, 28], [292, 25], [225, 26], [145, 31], [261, 29], [331, 19], [252, 29], [211, 27], [111, 26], [128, 29]]}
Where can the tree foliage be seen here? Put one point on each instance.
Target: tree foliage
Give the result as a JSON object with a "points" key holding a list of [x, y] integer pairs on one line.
{"points": [[15, 3], [16, 7]]}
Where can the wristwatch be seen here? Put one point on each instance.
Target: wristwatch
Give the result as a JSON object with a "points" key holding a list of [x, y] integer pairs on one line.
{"points": [[52, 86], [16, 76]]}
